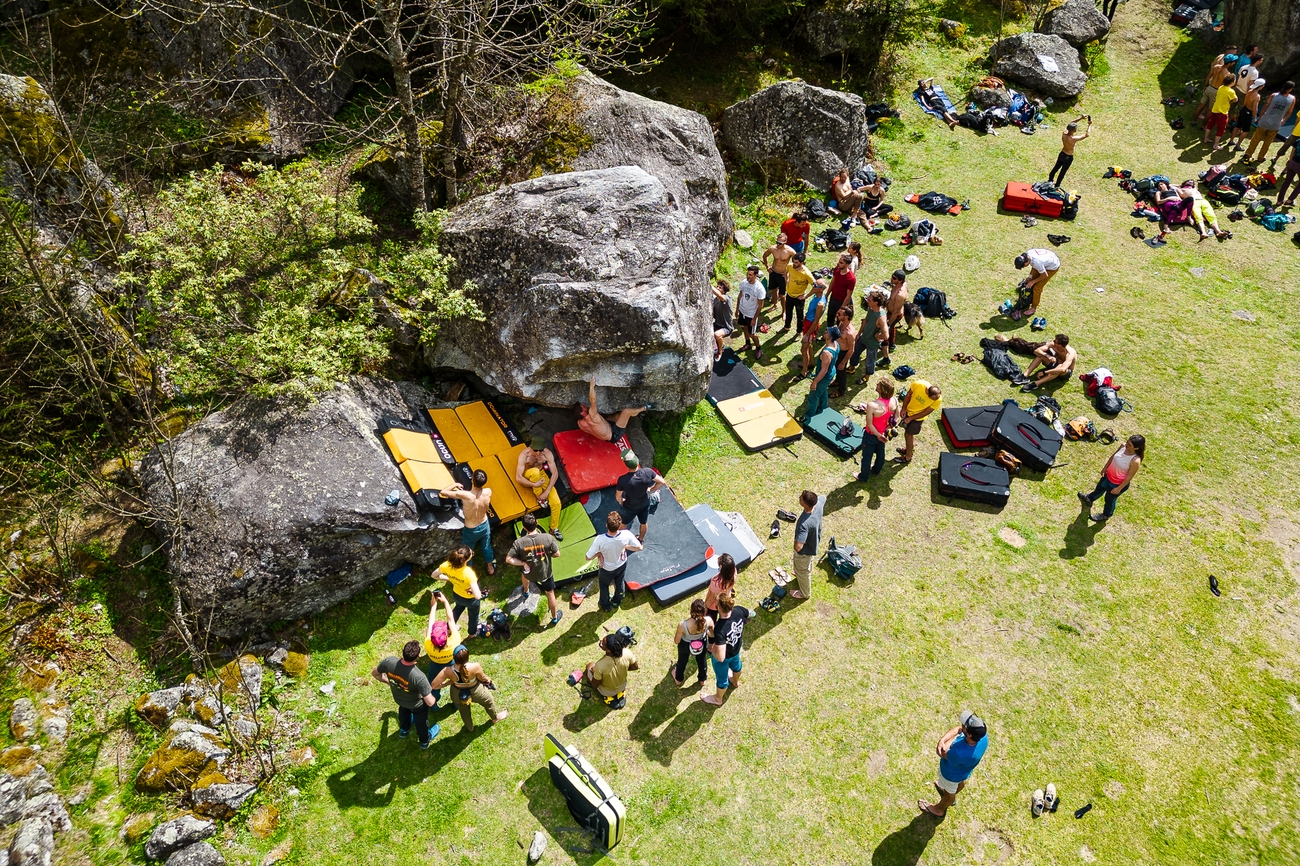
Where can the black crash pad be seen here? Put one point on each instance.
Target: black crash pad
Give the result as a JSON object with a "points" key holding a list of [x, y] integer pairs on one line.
{"points": [[973, 478], [714, 530], [969, 427], [731, 378], [673, 545], [1034, 442]]}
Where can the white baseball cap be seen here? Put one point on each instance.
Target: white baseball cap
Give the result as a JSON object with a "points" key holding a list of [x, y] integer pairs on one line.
{"points": [[911, 263]]}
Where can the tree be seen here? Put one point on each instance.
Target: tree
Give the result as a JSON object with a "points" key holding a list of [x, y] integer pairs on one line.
{"points": [[446, 59]]}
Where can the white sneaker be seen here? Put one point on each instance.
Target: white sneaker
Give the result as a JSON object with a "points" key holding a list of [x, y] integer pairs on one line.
{"points": [[1049, 798], [1036, 799]]}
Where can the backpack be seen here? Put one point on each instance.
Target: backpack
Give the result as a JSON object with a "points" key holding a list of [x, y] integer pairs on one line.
{"points": [[923, 230], [1275, 222], [1108, 402], [1000, 363], [1148, 184], [1047, 409], [903, 372], [1070, 209], [1225, 194], [1259, 206], [833, 239], [1081, 428], [933, 303], [935, 202], [816, 209], [866, 174], [898, 221], [1214, 174]]}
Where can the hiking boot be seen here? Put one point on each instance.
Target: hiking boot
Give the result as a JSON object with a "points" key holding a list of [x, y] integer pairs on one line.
{"points": [[559, 536]]}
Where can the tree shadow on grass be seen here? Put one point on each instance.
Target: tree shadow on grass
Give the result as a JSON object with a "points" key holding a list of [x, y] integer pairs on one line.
{"points": [[395, 764], [548, 807], [904, 846], [1079, 536], [662, 705]]}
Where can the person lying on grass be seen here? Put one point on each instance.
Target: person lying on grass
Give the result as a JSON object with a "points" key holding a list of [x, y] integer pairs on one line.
{"points": [[931, 101]]}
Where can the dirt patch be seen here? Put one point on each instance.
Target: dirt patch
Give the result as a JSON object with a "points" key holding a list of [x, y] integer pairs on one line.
{"points": [[1113, 790], [877, 762], [1086, 855], [1286, 535], [995, 838], [825, 610], [1011, 537]]}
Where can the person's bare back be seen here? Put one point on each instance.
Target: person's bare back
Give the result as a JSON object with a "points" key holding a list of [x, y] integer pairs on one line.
{"points": [[474, 502], [594, 424]]}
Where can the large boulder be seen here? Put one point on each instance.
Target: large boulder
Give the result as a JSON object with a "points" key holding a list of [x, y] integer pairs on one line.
{"points": [[675, 145], [279, 508], [792, 128], [1273, 25], [1203, 25], [176, 834], [581, 274], [1043, 63], [1078, 22], [33, 844]]}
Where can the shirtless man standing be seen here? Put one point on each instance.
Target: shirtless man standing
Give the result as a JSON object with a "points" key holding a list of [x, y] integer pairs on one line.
{"points": [[1068, 140], [537, 468], [780, 253], [1056, 358], [893, 313], [848, 339], [475, 502], [593, 423]]}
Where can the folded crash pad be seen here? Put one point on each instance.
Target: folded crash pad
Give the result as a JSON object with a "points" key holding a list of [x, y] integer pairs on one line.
{"points": [[826, 426], [715, 530], [485, 424], [731, 378], [973, 478], [578, 531], [969, 427], [746, 407], [589, 463], [759, 420], [673, 545], [449, 428], [1021, 198], [411, 445]]}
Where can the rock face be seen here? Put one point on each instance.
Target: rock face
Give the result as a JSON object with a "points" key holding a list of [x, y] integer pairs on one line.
{"points": [[1078, 22], [590, 272], [673, 144], [283, 505], [22, 719], [33, 844], [796, 129], [1027, 58], [1203, 26], [220, 799], [180, 761], [1274, 25], [176, 834], [990, 97], [198, 854], [157, 708]]}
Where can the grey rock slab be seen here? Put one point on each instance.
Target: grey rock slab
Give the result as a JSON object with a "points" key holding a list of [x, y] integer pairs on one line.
{"points": [[1041, 62], [198, 854], [178, 833], [1077, 22]]}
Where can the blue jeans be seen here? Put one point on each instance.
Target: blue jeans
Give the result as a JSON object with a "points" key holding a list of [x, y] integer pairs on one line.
{"points": [[612, 581], [722, 670], [868, 345], [871, 447], [818, 399], [436, 668], [1107, 487], [479, 536], [460, 605]]}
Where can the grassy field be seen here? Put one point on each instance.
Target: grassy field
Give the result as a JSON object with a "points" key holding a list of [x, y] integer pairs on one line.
{"points": [[1097, 655]]}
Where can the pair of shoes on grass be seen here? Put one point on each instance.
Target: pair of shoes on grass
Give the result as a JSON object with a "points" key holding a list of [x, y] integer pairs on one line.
{"points": [[1044, 801]]}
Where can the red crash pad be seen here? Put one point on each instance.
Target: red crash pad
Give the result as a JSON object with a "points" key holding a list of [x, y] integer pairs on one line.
{"points": [[589, 463]]}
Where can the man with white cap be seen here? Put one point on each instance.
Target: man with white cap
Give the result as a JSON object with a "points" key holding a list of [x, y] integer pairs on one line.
{"points": [[960, 751]]}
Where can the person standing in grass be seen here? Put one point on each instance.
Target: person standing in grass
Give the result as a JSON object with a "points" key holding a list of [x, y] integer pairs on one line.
{"points": [[443, 638], [532, 553], [843, 281], [894, 311], [1217, 123], [1069, 138], [807, 533], [873, 334], [464, 586], [810, 327], [1043, 265], [692, 638], [723, 582], [469, 685], [960, 751], [728, 633], [1272, 115], [796, 230], [776, 259], [819, 392], [875, 433], [411, 691], [749, 308], [723, 324], [798, 283], [611, 548], [1121, 469], [848, 340], [921, 399]]}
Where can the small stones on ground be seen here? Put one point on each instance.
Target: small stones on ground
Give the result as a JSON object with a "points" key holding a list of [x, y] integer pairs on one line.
{"points": [[744, 239], [22, 719], [538, 848], [328, 688], [1198, 272], [1243, 315]]}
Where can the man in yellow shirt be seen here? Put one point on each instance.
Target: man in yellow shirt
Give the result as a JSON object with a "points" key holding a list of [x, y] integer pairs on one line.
{"points": [[921, 399], [1217, 122], [798, 280]]}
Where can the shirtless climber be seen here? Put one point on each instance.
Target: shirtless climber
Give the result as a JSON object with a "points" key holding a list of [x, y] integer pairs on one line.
{"points": [[594, 424]]}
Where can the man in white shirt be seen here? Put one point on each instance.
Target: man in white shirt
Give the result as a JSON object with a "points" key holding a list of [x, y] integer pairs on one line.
{"points": [[749, 306], [1043, 265], [1247, 74], [611, 549]]}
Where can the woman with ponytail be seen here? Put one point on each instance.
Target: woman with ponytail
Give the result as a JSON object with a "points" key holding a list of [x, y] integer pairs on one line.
{"points": [[724, 581], [693, 634], [1119, 473]]}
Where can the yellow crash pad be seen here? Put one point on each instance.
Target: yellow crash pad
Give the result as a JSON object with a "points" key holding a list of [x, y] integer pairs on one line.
{"points": [[746, 407], [509, 460], [506, 501], [454, 434], [483, 428], [767, 430], [420, 475], [410, 445]]}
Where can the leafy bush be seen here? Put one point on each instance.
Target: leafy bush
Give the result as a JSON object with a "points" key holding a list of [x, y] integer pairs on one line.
{"points": [[248, 282]]}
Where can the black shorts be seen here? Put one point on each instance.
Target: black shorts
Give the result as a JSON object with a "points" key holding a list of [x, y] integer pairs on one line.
{"points": [[615, 432], [1245, 118], [751, 326], [642, 514], [776, 283], [545, 584], [913, 427]]}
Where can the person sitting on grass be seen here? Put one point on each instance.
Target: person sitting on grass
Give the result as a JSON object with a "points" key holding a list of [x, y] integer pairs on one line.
{"points": [[469, 685], [1056, 358], [931, 101], [845, 199], [594, 424], [873, 200], [608, 674], [728, 633]]}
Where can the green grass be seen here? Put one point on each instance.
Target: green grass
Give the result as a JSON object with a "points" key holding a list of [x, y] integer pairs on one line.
{"points": [[1098, 656]]}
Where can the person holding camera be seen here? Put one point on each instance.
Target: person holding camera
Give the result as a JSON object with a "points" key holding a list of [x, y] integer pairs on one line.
{"points": [[1069, 139], [442, 638], [411, 691], [608, 674], [960, 751], [469, 685]]}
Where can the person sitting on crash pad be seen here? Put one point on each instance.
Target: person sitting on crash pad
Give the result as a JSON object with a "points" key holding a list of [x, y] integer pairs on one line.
{"points": [[932, 102], [1056, 358], [594, 424], [537, 468]]}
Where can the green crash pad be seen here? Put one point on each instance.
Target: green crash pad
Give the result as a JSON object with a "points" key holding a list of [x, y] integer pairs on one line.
{"points": [[578, 532], [825, 427]]}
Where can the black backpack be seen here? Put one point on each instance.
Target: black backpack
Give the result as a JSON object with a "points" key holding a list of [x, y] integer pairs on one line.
{"points": [[999, 362], [933, 303], [834, 238], [816, 209], [1108, 402], [934, 202]]}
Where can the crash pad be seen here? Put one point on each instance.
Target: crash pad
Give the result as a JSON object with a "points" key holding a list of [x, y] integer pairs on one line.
{"points": [[577, 529], [673, 545], [589, 463], [969, 427], [453, 433], [713, 527], [731, 378], [488, 428], [746, 407], [768, 430], [411, 445], [825, 426], [420, 475], [509, 460], [507, 504]]}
